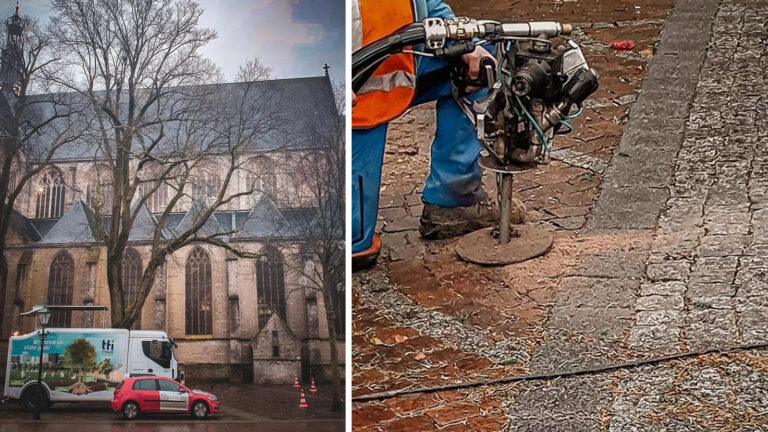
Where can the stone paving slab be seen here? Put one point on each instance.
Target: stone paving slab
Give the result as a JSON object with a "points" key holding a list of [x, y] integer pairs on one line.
{"points": [[645, 203]]}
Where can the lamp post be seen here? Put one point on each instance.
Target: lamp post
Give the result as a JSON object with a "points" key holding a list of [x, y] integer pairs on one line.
{"points": [[44, 315]]}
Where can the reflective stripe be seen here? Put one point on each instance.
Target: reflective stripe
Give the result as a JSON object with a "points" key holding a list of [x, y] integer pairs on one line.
{"points": [[391, 88], [387, 82], [357, 26]]}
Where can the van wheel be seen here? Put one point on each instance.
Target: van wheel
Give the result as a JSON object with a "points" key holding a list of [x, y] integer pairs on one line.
{"points": [[200, 410], [29, 399], [130, 410]]}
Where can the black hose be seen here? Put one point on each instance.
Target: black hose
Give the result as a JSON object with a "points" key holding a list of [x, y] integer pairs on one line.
{"points": [[557, 374], [368, 58]]}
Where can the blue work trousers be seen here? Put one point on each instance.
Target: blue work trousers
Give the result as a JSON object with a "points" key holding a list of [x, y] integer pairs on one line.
{"points": [[455, 178]]}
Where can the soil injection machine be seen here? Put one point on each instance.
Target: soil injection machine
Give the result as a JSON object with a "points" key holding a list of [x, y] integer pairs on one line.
{"points": [[539, 82]]}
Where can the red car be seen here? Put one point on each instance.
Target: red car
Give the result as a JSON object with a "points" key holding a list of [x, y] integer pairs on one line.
{"points": [[157, 394]]}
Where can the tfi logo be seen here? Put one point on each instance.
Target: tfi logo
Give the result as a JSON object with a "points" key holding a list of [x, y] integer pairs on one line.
{"points": [[107, 345]]}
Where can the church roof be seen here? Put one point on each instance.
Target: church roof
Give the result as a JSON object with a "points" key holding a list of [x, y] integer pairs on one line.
{"points": [[24, 227], [143, 226], [264, 221], [275, 322], [77, 225], [294, 95], [210, 227]]}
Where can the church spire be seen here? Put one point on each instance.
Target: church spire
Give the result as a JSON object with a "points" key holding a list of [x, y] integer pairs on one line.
{"points": [[12, 57]]}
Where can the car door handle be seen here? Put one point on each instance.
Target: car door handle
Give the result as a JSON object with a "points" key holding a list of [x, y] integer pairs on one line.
{"points": [[149, 370]]}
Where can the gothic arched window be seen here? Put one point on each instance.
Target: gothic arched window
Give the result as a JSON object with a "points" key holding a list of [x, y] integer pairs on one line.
{"points": [[261, 178], [153, 186], [213, 184], [131, 277], [199, 313], [269, 184], [205, 187], [270, 285], [158, 199], [206, 180], [61, 282], [50, 195]]}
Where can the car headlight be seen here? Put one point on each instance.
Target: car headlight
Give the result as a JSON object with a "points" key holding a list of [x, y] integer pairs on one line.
{"points": [[212, 398]]}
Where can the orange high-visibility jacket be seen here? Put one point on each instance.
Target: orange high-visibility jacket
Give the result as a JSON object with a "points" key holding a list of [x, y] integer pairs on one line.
{"points": [[391, 88]]}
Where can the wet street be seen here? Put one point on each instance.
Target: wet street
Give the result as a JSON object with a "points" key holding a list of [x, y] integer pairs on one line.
{"points": [[77, 418], [169, 424], [243, 408]]}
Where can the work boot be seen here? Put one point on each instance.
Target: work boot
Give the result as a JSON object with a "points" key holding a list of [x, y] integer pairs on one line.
{"points": [[447, 222], [366, 259]]}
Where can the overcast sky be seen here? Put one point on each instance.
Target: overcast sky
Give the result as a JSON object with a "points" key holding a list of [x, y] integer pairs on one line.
{"points": [[294, 37]]}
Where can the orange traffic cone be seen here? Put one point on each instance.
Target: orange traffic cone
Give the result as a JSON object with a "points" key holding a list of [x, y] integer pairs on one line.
{"points": [[303, 400], [312, 388], [295, 381]]}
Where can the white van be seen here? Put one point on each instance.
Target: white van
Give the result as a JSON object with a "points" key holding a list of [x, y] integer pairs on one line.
{"points": [[85, 364]]}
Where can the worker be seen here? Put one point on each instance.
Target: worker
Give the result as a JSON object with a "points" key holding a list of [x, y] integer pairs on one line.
{"points": [[453, 196]]}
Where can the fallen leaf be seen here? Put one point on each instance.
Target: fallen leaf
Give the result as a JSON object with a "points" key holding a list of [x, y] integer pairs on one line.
{"points": [[420, 356], [400, 338], [624, 45]]}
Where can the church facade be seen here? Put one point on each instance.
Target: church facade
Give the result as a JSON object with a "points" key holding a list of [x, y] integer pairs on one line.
{"points": [[245, 319]]}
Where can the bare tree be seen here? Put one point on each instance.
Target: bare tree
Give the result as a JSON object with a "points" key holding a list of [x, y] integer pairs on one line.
{"points": [[322, 179], [138, 65], [315, 178], [253, 70], [35, 120]]}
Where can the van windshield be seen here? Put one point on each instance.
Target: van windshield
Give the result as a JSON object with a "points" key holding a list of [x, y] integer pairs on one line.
{"points": [[158, 351]]}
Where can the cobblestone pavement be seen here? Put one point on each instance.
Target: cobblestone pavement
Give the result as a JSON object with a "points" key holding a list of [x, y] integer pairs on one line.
{"points": [[661, 226]]}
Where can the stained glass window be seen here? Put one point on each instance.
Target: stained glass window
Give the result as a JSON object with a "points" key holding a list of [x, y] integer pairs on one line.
{"points": [[199, 313], [270, 285], [61, 282]]}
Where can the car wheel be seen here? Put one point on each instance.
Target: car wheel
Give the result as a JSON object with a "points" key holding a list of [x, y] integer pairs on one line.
{"points": [[200, 410], [130, 410], [29, 399]]}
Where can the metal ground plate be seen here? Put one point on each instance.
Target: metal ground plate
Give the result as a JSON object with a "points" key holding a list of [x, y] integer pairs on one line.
{"points": [[481, 247]]}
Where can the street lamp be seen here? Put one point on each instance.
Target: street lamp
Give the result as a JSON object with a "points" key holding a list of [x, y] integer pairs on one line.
{"points": [[44, 315]]}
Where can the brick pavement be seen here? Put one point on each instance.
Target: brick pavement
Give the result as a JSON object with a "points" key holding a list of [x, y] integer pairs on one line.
{"points": [[669, 258]]}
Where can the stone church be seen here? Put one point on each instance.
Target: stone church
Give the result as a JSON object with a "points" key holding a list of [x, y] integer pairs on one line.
{"points": [[235, 318]]}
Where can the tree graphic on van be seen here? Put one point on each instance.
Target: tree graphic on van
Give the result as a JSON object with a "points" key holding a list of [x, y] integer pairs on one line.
{"points": [[80, 357]]}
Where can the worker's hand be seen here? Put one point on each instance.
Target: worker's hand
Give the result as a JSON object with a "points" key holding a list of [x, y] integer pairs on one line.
{"points": [[354, 99], [473, 62]]}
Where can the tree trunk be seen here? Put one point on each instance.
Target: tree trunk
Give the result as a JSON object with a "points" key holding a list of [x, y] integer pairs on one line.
{"points": [[147, 281], [330, 316], [3, 285], [115, 285]]}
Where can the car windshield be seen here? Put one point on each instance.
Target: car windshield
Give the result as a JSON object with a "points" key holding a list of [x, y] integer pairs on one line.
{"points": [[119, 385]]}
